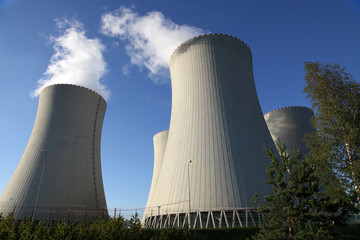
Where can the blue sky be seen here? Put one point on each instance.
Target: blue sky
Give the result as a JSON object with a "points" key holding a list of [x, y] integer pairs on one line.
{"points": [[281, 34]]}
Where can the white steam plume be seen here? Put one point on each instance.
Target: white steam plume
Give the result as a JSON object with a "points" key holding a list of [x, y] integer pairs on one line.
{"points": [[151, 38], [77, 60]]}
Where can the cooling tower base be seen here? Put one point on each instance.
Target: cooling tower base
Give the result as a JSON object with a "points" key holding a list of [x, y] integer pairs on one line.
{"points": [[57, 213], [229, 218]]}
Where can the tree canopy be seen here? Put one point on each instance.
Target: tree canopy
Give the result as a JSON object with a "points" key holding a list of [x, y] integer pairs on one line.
{"points": [[335, 146]]}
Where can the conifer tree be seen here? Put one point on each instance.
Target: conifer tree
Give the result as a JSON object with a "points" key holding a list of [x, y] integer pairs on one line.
{"points": [[297, 209]]}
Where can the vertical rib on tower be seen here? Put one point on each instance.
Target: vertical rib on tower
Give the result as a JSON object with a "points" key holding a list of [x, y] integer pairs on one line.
{"points": [[59, 174], [217, 123], [290, 125]]}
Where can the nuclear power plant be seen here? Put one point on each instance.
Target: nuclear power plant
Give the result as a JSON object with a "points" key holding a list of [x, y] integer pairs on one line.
{"points": [[59, 175], [213, 158], [290, 125], [207, 167]]}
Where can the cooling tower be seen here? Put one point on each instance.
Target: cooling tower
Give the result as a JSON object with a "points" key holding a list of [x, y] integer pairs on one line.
{"points": [[290, 125], [159, 140], [59, 174], [214, 157]]}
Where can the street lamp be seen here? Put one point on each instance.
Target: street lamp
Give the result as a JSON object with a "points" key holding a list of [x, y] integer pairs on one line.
{"points": [[189, 193]]}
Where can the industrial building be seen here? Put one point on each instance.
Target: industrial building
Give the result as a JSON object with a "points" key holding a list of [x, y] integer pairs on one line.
{"points": [[290, 125], [59, 175], [213, 161]]}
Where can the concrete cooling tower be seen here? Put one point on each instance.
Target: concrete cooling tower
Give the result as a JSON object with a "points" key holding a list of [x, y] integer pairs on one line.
{"points": [[159, 140], [290, 125], [59, 174], [214, 158]]}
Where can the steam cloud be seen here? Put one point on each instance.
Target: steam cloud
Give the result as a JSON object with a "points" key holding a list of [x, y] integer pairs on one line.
{"points": [[77, 60], [151, 38]]}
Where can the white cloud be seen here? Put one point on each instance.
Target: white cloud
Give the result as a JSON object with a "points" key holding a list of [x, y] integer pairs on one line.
{"points": [[151, 38], [77, 60], [126, 70]]}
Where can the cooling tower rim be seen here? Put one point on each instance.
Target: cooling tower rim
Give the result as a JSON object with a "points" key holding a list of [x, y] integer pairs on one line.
{"points": [[159, 133], [282, 108], [207, 35], [67, 84]]}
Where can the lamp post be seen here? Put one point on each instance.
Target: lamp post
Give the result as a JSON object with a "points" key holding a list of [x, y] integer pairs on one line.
{"points": [[189, 220], [38, 192]]}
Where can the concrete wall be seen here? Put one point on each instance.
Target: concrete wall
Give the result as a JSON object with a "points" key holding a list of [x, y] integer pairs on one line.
{"points": [[290, 125], [59, 174], [217, 122]]}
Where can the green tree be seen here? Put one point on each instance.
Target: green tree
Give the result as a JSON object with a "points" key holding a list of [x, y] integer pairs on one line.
{"points": [[63, 230], [335, 146], [297, 209], [26, 228], [8, 228]]}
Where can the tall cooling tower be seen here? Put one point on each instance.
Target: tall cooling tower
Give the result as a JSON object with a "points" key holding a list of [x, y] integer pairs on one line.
{"points": [[59, 174], [290, 125], [159, 140], [214, 157]]}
